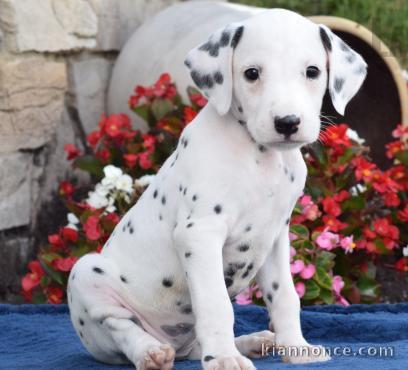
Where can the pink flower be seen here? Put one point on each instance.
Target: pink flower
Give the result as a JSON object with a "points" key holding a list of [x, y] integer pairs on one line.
{"points": [[308, 272], [347, 243], [300, 289], [292, 253], [327, 240], [309, 209], [292, 237], [296, 267], [337, 286], [245, 297]]}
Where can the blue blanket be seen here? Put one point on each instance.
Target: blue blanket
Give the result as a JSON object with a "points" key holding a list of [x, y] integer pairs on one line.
{"points": [[41, 337]]}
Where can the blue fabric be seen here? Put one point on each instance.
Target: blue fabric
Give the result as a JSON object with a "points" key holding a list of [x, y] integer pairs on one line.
{"points": [[41, 337]]}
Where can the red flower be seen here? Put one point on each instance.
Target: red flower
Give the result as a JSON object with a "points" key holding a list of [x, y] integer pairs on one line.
{"points": [[391, 199], [92, 228], [115, 125], [72, 151], [400, 131], [341, 196], [133, 101], [393, 148], [55, 240], [66, 189], [149, 141], [198, 99], [402, 264], [336, 136], [364, 170], [333, 224], [69, 234], [369, 233], [93, 138], [145, 161], [103, 155], [64, 264], [403, 214], [131, 159], [382, 182], [189, 114], [32, 278], [331, 207], [55, 295], [113, 217], [384, 228]]}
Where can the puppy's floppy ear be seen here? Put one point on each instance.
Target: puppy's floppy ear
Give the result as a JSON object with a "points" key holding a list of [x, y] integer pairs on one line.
{"points": [[210, 66], [347, 69]]}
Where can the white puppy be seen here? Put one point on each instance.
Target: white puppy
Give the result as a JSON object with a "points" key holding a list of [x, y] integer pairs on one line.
{"points": [[217, 214]]}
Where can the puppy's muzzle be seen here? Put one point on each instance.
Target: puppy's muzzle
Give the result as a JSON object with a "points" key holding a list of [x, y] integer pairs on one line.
{"points": [[287, 125]]}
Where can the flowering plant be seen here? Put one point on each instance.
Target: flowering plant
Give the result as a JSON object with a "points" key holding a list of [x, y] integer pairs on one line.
{"points": [[351, 214]]}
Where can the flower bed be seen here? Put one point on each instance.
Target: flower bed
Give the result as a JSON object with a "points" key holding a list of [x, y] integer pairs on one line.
{"points": [[351, 215]]}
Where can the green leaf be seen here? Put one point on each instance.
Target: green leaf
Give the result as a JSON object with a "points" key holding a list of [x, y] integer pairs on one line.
{"points": [[300, 230], [403, 157], [368, 286], [161, 107], [90, 164], [354, 203], [53, 274], [325, 260], [323, 278], [143, 112], [327, 296], [312, 290]]}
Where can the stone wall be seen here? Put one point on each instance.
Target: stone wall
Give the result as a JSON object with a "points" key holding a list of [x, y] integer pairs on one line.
{"points": [[56, 58]]}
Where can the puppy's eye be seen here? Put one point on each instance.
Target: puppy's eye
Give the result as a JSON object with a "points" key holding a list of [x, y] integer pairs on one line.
{"points": [[312, 72], [251, 74]]}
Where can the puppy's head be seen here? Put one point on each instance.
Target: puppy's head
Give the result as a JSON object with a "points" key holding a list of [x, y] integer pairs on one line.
{"points": [[271, 71]]}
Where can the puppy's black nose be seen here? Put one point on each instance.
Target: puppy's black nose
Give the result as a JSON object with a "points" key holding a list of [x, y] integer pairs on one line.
{"points": [[287, 125]]}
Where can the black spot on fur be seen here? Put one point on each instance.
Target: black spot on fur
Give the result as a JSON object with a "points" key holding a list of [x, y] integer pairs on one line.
{"points": [[81, 334], [338, 84], [187, 254], [194, 198], [243, 247], [248, 228], [81, 322], [180, 188], [344, 47], [73, 276], [123, 279], [218, 77], [210, 47], [287, 221], [167, 282], [160, 217], [292, 177], [225, 38], [275, 285], [185, 143], [241, 122], [186, 309], [248, 269], [217, 209], [269, 297], [237, 36], [98, 270], [136, 321], [163, 200], [155, 194], [190, 224], [187, 63], [208, 358], [362, 69], [325, 39], [351, 57], [131, 230], [202, 81], [230, 270], [228, 282], [240, 110], [285, 170], [262, 148]]}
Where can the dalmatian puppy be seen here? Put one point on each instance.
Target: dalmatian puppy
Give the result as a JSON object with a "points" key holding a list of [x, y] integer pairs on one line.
{"points": [[217, 214]]}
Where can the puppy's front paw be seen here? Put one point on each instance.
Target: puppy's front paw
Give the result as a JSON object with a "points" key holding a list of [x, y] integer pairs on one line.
{"points": [[157, 358], [305, 354], [237, 362]]}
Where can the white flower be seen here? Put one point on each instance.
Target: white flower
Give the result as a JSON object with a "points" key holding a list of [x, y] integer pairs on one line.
{"points": [[111, 207], [359, 188], [101, 190], [112, 172], [145, 180], [72, 226], [96, 200], [124, 183], [405, 251], [72, 219], [353, 135]]}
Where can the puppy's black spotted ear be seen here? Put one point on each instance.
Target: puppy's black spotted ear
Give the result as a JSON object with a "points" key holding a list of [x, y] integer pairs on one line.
{"points": [[210, 66], [347, 69]]}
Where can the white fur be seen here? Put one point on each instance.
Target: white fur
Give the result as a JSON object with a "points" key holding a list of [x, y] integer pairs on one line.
{"points": [[217, 210]]}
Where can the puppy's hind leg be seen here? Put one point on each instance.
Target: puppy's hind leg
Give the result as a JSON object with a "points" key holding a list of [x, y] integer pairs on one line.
{"points": [[110, 331]]}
